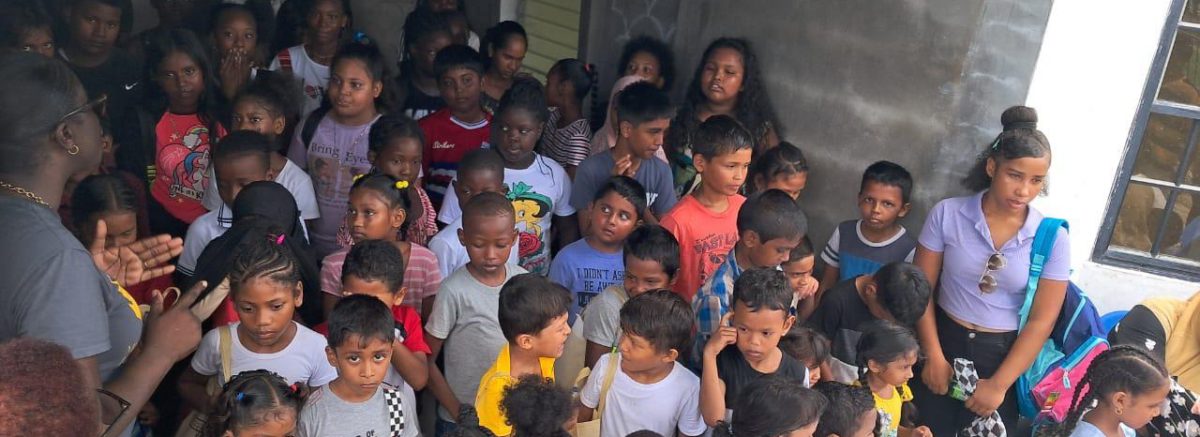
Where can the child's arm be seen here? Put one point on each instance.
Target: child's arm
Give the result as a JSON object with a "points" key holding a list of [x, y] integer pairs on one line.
{"points": [[828, 279], [593, 353], [427, 306], [920, 431], [193, 390], [412, 366], [437, 381], [712, 388]]}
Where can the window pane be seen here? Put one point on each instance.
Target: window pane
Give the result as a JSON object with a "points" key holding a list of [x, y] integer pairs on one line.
{"points": [[1162, 147], [1191, 12], [1141, 214], [1184, 243], [1183, 70]]}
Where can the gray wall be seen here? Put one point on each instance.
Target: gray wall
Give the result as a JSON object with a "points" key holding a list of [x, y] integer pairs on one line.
{"points": [[918, 82]]}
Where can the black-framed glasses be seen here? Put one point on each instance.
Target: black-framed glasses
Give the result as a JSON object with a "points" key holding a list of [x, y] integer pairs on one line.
{"points": [[99, 104], [988, 282], [124, 405]]}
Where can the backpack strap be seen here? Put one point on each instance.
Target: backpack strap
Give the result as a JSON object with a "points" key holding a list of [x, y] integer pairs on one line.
{"points": [[225, 346], [609, 373], [310, 124], [1043, 245], [395, 410]]}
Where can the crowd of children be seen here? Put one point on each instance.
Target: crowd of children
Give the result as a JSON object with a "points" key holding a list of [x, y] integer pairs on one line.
{"points": [[417, 249]]}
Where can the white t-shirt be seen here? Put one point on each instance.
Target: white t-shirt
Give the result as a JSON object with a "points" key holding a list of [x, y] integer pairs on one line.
{"points": [[1085, 429], [451, 254], [663, 407], [313, 77], [291, 177], [538, 193], [199, 234], [303, 360]]}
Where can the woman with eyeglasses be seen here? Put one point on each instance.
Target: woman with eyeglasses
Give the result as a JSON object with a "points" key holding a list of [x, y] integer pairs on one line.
{"points": [[54, 288], [976, 250]]}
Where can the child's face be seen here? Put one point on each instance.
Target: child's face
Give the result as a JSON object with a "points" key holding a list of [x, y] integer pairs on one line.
{"points": [[645, 139], [489, 241], [370, 217], [236, 31], [352, 90], [37, 40], [814, 373], [325, 21], [638, 355], [182, 80], [280, 422], [548, 342], [724, 174], [1139, 409], [646, 66], [770, 253], [425, 51], [642, 275], [459, 30], [799, 272], [613, 218], [518, 133], [236, 172], [460, 88], [880, 205], [758, 332], [471, 183], [122, 228], [251, 115], [377, 289], [507, 60], [399, 158], [895, 373], [721, 79], [791, 184], [361, 362], [1016, 182], [94, 27], [554, 88], [265, 308]]}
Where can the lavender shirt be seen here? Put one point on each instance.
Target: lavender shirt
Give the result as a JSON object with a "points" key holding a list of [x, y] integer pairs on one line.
{"points": [[957, 228]]}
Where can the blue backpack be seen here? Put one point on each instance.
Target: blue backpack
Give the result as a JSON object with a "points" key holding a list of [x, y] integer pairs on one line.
{"points": [[1077, 331]]}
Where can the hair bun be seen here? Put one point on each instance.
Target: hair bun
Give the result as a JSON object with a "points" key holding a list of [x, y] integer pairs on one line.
{"points": [[1019, 117]]}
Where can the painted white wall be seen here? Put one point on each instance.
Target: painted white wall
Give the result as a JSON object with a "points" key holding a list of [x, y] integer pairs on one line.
{"points": [[1087, 86]]}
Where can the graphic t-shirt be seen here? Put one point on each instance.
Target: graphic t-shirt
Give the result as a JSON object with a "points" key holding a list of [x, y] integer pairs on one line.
{"points": [[705, 237], [336, 154], [313, 77], [586, 272], [181, 160], [447, 141]]}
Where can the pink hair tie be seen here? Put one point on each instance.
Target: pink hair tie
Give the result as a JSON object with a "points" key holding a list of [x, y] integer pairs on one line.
{"points": [[279, 240]]}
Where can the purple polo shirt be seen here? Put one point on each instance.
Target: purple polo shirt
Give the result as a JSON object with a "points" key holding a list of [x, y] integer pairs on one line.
{"points": [[957, 229]]}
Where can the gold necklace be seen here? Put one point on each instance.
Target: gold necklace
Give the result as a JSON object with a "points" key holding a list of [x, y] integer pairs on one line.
{"points": [[23, 192]]}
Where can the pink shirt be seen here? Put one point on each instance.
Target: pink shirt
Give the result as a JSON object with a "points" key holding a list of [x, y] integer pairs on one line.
{"points": [[421, 275], [705, 237]]}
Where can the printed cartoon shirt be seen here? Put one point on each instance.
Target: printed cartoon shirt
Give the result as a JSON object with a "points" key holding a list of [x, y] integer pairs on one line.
{"points": [[705, 237], [181, 160]]}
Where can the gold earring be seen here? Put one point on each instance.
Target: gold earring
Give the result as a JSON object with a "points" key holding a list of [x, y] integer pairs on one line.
{"points": [[73, 150]]}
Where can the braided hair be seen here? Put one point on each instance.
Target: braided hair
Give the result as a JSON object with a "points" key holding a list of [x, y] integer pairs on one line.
{"points": [[251, 398], [264, 256], [1124, 368]]}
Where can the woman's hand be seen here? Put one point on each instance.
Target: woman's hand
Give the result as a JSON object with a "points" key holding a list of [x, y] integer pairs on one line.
{"points": [[136, 262], [989, 394], [936, 375]]}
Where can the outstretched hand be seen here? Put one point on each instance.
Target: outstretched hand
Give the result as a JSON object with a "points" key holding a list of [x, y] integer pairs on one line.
{"points": [[174, 332], [136, 262]]}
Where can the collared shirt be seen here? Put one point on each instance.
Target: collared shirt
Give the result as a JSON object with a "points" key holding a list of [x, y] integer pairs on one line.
{"points": [[491, 390], [712, 300], [957, 229]]}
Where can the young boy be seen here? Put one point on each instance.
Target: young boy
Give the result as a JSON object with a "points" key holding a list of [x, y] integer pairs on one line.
{"points": [[771, 226], [651, 257], [809, 347], [860, 247], [460, 127], [799, 271], [533, 317], [655, 393], [643, 114], [588, 266], [480, 171], [705, 222], [464, 315], [759, 317], [361, 338], [897, 292], [90, 49]]}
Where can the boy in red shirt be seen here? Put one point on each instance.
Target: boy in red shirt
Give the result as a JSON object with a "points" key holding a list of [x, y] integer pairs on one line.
{"points": [[460, 127]]}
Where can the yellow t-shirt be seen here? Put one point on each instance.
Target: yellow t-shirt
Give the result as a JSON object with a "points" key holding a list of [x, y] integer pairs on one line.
{"points": [[889, 409], [491, 391]]}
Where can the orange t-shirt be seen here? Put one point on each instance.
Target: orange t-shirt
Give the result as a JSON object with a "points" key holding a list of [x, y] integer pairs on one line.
{"points": [[705, 237]]}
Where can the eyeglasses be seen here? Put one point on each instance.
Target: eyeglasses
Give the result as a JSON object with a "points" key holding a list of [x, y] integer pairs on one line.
{"points": [[100, 104], [124, 405], [987, 282]]}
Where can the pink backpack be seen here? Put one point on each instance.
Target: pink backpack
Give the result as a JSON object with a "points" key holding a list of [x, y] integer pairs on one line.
{"points": [[1055, 393]]}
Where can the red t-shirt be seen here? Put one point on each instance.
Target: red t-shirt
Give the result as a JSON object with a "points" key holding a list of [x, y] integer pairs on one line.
{"points": [[181, 162], [447, 141], [414, 335], [705, 237]]}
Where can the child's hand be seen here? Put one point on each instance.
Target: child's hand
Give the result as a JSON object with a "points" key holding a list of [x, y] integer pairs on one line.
{"points": [[809, 289], [622, 166], [921, 431], [988, 396], [725, 336]]}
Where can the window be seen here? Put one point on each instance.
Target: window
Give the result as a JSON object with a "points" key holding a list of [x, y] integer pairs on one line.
{"points": [[1153, 220]]}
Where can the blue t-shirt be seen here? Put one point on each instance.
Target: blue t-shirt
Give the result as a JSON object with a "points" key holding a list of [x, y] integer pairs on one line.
{"points": [[653, 174], [586, 272]]}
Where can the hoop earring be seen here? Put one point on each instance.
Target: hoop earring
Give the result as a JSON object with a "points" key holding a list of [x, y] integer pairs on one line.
{"points": [[73, 150]]}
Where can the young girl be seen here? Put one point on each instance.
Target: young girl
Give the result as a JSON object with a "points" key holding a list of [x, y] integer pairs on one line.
{"points": [[239, 43], [886, 354], [333, 139], [255, 403], [809, 347], [567, 139], [1127, 387], [378, 210], [780, 406], [799, 271], [537, 408], [727, 81], [782, 167], [25, 26], [111, 199], [324, 30], [425, 33], [649, 58], [851, 411], [396, 145], [505, 44]]}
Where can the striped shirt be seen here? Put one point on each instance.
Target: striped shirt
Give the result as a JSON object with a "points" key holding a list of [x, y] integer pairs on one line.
{"points": [[567, 146], [421, 275]]}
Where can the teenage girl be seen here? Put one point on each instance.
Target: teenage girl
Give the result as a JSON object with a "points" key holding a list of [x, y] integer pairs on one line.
{"points": [[378, 210], [975, 250], [506, 44], [333, 139], [1128, 388], [782, 167], [425, 33], [567, 139], [886, 354], [325, 28], [256, 403], [851, 411], [649, 58], [781, 407], [25, 26], [727, 81], [111, 199], [239, 43]]}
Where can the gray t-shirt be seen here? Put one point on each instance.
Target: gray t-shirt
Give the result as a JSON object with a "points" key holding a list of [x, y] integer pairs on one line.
{"points": [[327, 415], [465, 316], [53, 291], [653, 174], [602, 317]]}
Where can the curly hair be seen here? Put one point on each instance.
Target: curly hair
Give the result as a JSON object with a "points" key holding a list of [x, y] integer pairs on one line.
{"points": [[653, 47], [251, 398], [42, 391], [535, 407]]}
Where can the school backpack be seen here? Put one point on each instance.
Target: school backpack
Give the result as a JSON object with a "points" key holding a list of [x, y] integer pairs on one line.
{"points": [[1047, 387]]}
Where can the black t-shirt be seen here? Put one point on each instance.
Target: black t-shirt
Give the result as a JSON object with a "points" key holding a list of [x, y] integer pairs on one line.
{"points": [[841, 313], [736, 372], [417, 104], [119, 78]]}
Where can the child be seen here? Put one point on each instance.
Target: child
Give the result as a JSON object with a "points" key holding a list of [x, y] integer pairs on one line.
{"points": [[654, 392], [782, 167], [465, 314], [898, 293], [467, 425], [781, 407], [90, 49], [334, 147], [506, 44], [533, 317], [539, 188], [1124, 386], [311, 61], [378, 210], [110, 198], [758, 319], [643, 114], [649, 58], [395, 149], [264, 284], [651, 258], [705, 221], [537, 408], [460, 127], [588, 266], [480, 171], [769, 225], [851, 411], [862, 246], [255, 403], [886, 354], [25, 26], [809, 347], [236, 45], [799, 270], [567, 138], [425, 34]]}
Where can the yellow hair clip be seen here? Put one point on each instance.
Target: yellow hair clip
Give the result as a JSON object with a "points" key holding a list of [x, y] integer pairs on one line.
{"points": [[359, 176], [400, 185]]}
